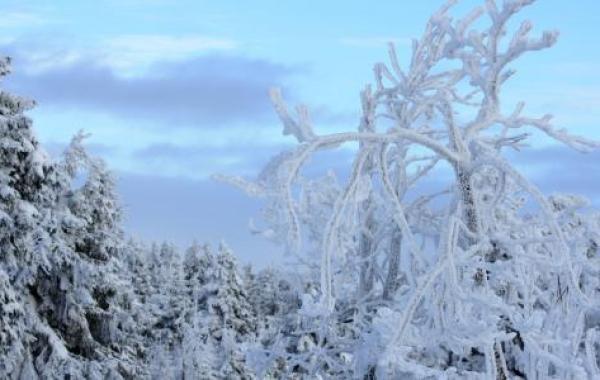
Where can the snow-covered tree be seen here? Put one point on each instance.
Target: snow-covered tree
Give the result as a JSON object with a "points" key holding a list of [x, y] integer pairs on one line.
{"points": [[68, 317], [95, 204], [192, 265], [200, 356], [473, 286], [11, 326], [263, 294], [230, 302], [228, 314], [27, 190]]}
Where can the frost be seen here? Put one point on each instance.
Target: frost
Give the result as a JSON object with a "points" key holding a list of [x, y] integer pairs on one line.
{"points": [[483, 277]]}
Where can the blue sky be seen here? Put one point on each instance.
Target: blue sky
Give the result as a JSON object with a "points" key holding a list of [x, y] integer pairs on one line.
{"points": [[173, 91]]}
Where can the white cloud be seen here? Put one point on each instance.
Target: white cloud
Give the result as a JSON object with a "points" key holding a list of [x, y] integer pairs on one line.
{"points": [[127, 55], [374, 41], [46, 59], [129, 51], [17, 19]]}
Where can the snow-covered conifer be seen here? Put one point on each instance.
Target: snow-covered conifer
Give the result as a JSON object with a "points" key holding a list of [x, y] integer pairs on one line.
{"points": [[229, 302], [94, 204]]}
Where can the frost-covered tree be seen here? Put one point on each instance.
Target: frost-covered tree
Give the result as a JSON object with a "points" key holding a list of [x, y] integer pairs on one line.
{"points": [[68, 319], [28, 188], [200, 356], [205, 317], [95, 204], [192, 264], [22, 167], [483, 277], [230, 302], [31, 188], [11, 326], [227, 313], [162, 291]]}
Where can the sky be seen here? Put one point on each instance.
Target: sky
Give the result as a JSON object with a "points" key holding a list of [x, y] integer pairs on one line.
{"points": [[174, 91]]}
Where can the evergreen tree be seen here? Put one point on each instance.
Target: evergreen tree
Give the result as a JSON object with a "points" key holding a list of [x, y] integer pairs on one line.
{"points": [[28, 191], [165, 303], [199, 353], [11, 327], [228, 314], [95, 204], [192, 270], [230, 301], [69, 305], [264, 294]]}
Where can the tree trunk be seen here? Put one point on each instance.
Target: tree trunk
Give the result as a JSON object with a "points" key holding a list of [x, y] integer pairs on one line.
{"points": [[468, 199], [471, 218], [365, 250], [391, 280]]}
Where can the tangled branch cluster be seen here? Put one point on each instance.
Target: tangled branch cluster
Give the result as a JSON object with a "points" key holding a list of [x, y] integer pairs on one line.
{"points": [[485, 274]]}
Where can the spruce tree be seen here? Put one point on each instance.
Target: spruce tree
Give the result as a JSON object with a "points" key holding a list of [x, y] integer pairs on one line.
{"points": [[26, 188], [230, 302], [95, 204], [54, 253], [11, 326]]}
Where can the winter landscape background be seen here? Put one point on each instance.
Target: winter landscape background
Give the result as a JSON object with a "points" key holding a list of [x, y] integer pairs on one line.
{"points": [[422, 226]]}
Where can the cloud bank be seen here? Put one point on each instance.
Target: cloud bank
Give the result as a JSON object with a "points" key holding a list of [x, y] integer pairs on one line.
{"points": [[207, 91]]}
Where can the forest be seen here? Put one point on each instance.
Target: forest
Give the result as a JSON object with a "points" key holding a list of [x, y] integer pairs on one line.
{"points": [[478, 276]]}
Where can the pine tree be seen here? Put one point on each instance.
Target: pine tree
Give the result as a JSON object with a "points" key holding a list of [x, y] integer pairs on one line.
{"points": [[11, 326], [192, 270], [228, 314], [191, 260], [230, 302], [95, 204], [27, 190], [199, 353], [165, 303], [264, 296], [30, 221], [70, 308]]}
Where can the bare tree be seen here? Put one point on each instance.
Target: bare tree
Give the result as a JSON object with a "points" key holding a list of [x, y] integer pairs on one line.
{"points": [[481, 270]]}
